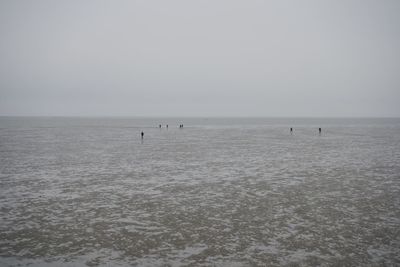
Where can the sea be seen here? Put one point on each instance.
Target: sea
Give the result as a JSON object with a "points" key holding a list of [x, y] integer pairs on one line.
{"points": [[89, 191]]}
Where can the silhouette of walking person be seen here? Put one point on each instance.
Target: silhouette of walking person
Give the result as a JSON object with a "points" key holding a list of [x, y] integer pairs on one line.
{"points": [[291, 130], [319, 130], [142, 134]]}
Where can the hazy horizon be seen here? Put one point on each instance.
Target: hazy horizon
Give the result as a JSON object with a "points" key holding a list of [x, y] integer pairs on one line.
{"points": [[200, 59], [197, 117]]}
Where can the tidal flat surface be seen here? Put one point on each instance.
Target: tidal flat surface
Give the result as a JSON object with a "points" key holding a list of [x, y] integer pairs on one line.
{"points": [[219, 192]]}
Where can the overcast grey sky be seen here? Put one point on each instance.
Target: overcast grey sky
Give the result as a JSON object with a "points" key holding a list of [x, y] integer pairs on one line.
{"points": [[200, 58]]}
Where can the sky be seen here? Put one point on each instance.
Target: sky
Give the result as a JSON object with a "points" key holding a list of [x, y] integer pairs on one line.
{"points": [[311, 58]]}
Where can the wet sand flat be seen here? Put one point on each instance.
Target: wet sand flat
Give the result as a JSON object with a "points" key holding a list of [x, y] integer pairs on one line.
{"points": [[237, 192]]}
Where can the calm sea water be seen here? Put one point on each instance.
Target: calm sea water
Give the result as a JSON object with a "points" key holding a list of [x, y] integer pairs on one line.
{"points": [[219, 192]]}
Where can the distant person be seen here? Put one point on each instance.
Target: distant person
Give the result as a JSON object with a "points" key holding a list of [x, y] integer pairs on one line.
{"points": [[167, 126], [319, 130], [291, 130], [159, 126], [142, 134]]}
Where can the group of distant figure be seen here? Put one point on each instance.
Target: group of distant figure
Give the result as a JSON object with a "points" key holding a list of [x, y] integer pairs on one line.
{"points": [[160, 126], [319, 130], [181, 126], [166, 126]]}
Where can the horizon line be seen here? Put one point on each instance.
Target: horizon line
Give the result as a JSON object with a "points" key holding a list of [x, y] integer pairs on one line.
{"points": [[200, 116]]}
